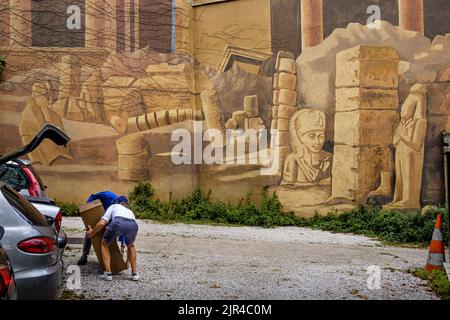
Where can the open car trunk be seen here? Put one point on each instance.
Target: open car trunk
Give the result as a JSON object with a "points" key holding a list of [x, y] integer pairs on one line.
{"points": [[48, 131]]}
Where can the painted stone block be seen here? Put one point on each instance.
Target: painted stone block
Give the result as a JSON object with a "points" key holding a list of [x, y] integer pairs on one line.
{"points": [[368, 67]]}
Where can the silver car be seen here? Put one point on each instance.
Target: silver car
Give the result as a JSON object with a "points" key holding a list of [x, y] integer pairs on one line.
{"points": [[53, 215], [20, 175], [32, 246]]}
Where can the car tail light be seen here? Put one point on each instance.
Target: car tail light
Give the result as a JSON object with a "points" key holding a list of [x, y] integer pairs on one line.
{"points": [[40, 245], [5, 280], [33, 188], [58, 221]]}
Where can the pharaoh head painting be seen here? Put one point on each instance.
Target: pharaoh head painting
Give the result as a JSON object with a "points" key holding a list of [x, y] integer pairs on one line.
{"points": [[308, 163]]}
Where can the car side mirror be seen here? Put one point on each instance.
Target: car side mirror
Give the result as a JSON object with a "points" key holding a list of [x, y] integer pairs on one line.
{"points": [[2, 232]]}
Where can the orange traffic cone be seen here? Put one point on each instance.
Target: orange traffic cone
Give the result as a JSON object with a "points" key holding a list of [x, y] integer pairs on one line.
{"points": [[436, 254]]}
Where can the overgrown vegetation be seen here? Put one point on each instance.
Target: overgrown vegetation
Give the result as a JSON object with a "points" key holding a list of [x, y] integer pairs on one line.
{"points": [[68, 209], [438, 280], [199, 207], [389, 226], [394, 227]]}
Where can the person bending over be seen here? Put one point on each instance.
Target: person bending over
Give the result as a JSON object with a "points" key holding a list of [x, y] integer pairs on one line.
{"points": [[118, 220], [107, 198]]}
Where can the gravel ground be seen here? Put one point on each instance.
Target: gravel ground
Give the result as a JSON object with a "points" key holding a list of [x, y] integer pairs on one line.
{"points": [[178, 261]]}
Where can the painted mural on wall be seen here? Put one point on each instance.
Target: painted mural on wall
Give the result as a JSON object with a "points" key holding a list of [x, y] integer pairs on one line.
{"points": [[353, 106]]}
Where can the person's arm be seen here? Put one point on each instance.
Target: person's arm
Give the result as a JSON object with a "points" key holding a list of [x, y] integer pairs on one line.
{"points": [[92, 198], [99, 226]]}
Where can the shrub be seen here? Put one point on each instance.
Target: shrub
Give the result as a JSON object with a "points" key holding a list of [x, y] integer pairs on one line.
{"points": [[68, 209], [394, 227], [199, 207]]}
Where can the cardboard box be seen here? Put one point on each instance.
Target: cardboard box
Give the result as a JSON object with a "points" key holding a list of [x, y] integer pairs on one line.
{"points": [[91, 213]]}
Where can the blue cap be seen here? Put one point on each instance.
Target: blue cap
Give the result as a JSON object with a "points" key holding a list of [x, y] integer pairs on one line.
{"points": [[121, 199]]}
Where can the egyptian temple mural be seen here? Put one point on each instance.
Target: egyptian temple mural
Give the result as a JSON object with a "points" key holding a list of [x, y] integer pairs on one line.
{"points": [[346, 106]]}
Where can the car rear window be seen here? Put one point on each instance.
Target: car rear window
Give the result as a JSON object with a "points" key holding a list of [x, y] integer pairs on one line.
{"points": [[23, 207]]}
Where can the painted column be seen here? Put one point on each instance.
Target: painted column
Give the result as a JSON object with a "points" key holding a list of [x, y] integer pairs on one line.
{"points": [[284, 106], [95, 23], [366, 97], [312, 22], [128, 5], [411, 15], [213, 114], [182, 35], [4, 22], [70, 74], [131, 12], [90, 24], [136, 24], [110, 11], [131, 20], [20, 23]]}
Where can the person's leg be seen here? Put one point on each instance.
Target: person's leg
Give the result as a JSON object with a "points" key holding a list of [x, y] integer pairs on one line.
{"points": [[122, 249], [131, 253], [131, 257], [86, 250], [86, 246], [106, 256], [130, 233], [111, 234]]}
